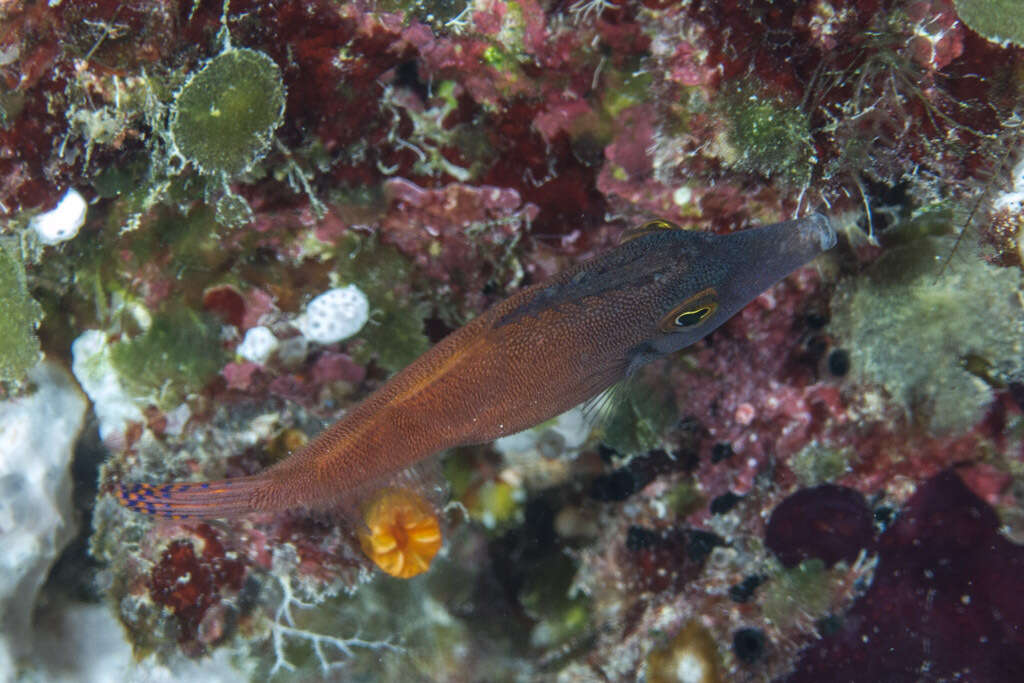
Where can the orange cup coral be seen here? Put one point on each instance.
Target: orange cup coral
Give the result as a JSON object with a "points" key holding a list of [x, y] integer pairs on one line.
{"points": [[402, 533]]}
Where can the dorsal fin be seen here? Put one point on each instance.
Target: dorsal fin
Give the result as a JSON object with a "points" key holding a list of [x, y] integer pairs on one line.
{"points": [[646, 229]]}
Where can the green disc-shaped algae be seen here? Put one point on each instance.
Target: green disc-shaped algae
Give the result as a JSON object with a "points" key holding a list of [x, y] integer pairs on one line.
{"points": [[225, 115], [1000, 21]]}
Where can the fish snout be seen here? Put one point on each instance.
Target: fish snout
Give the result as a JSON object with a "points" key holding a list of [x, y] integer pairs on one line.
{"points": [[818, 227]]}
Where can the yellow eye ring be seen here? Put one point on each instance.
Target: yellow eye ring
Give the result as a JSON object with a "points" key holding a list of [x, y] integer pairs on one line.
{"points": [[693, 317], [691, 312]]}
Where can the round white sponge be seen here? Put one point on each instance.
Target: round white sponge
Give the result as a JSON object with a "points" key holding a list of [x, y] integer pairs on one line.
{"points": [[62, 222], [335, 315], [258, 344]]}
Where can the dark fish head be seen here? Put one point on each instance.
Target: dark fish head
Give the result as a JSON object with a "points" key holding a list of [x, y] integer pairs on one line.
{"points": [[714, 276]]}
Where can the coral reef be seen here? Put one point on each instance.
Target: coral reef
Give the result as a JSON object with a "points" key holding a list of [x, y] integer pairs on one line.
{"points": [[196, 195]]}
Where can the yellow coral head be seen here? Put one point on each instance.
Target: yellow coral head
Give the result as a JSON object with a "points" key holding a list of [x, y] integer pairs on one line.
{"points": [[402, 533]]}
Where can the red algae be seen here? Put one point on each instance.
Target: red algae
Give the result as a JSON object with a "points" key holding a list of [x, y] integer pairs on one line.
{"points": [[828, 522], [945, 578], [225, 301], [190, 583], [651, 552]]}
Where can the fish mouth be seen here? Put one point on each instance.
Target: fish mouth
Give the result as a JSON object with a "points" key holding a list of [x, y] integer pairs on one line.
{"points": [[762, 256], [818, 227]]}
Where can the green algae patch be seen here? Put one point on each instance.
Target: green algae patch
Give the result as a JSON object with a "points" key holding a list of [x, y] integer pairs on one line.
{"points": [[770, 137], [394, 335], [11, 106], [817, 464], [807, 588], [192, 238], [547, 596], [179, 353], [628, 87], [120, 179], [494, 504], [638, 419], [437, 13], [232, 211], [684, 498], [999, 21], [19, 317], [396, 339], [918, 333], [224, 116]]}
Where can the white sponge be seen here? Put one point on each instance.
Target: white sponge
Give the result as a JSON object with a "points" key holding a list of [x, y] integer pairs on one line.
{"points": [[62, 222], [36, 519], [335, 315], [95, 372], [258, 344]]}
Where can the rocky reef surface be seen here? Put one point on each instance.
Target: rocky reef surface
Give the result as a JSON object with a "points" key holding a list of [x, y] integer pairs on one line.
{"points": [[230, 222]]}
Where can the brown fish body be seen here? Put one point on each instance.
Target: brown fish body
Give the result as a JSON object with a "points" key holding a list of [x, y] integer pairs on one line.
{"points": [[484, 381], [529, 358]]}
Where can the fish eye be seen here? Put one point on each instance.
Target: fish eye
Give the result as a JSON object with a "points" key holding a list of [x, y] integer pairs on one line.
{"points": [[691, 312], [691, 318]]}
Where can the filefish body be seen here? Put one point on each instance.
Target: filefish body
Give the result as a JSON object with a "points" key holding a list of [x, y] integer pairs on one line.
{"points": [[529, 358]]}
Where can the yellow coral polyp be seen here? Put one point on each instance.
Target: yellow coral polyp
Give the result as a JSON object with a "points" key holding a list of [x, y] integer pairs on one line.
{"points": [[690, 656], [402, 533]]}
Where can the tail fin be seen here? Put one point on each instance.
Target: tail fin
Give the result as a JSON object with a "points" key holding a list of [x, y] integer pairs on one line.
{"points": [[182, 500]]}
